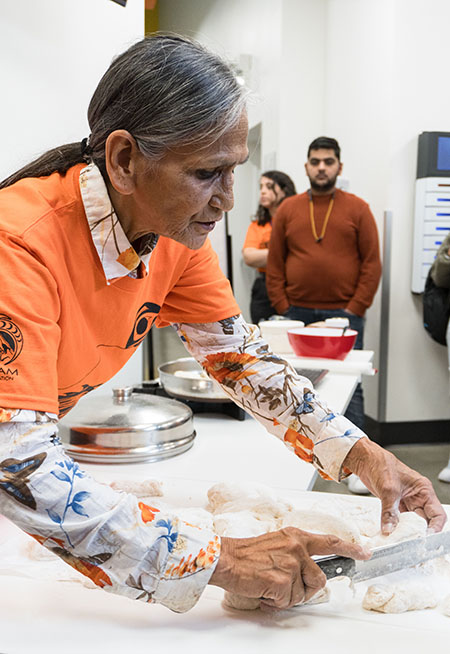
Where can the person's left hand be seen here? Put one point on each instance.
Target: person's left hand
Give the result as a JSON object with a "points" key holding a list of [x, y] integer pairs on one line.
{"points": [[399, 488]]}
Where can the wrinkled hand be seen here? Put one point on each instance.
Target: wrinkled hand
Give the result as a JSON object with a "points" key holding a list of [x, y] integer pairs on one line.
{"points": [[278, 566], [399, 488]]}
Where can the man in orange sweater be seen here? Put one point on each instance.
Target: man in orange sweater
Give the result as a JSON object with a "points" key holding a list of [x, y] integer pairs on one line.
{"points": [[324, 258]]}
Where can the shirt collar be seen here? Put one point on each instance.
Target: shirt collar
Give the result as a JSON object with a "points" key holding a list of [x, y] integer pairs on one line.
{"points": [[116, 254]]}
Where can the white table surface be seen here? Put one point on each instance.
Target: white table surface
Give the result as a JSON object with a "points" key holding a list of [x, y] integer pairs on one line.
{"points": [[46, 615], [357, 362], [41, 614], [226, 448]]}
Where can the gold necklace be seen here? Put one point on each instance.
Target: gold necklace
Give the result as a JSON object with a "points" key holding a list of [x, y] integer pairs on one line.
{"points": [[325, 222]]}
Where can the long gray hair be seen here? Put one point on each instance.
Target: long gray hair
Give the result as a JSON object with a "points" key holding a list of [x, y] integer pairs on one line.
{"points": [[166, 90]]}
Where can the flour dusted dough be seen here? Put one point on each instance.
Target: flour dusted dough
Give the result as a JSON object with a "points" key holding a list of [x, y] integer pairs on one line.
{"points": [[244, 510], [241, 603], [399, 598], [396, 598], [146, 488], [322, 523], [233, 601], [410, 525], [242, 524], [196, 517], [261, 500], [367, 518]]}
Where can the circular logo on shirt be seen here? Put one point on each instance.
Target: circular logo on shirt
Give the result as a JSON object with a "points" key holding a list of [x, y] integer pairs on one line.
{"points": [[11, 339]]}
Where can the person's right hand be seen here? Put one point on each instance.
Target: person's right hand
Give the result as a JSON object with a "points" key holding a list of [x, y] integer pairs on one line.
{"points": [[277, 567]]}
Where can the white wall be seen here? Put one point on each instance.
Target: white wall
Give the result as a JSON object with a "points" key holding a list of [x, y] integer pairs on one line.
{"points": [[302, 73], [359, 50], [53, 53], [421, 101], [386, 79]]}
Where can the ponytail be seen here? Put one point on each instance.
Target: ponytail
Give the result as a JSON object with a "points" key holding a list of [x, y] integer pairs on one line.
{"points": [[59, 160]]}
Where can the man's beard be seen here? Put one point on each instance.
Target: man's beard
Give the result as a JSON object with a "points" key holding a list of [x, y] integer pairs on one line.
{"points": [[323, 188]]}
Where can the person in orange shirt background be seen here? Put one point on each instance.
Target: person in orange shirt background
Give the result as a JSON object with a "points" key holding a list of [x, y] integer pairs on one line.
{"points": [[274, 187]]}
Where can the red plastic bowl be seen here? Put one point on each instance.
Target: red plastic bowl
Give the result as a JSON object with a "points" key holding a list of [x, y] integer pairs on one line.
{"points": [[324, 343]]}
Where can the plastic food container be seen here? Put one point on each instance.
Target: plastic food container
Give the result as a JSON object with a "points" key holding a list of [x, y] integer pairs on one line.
{"points": [[322, 343], [275, 332]]}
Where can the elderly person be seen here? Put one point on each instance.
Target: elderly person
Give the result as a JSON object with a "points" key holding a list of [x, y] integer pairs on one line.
{"points": [[100, 240]]}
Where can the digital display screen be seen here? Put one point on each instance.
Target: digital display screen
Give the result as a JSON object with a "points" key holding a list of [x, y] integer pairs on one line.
{"points": [[443, 153]]}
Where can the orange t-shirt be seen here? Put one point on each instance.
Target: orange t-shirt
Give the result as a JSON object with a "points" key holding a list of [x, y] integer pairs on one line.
{"points": [[258, 236], [63, 329]]}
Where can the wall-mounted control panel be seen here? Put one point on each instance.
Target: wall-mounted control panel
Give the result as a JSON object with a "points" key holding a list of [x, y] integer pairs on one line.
{"points": [[432, 204]]}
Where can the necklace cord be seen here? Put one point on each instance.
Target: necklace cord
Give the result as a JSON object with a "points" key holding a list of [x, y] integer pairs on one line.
{"points": [[317, 238]]}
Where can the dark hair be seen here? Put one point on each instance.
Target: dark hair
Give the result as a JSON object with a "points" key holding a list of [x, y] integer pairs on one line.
{"points": [[325, 143], [285, 183], [166, 90]]}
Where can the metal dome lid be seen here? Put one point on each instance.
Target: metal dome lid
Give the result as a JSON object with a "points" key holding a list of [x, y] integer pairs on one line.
{"points": [[127, 426]]}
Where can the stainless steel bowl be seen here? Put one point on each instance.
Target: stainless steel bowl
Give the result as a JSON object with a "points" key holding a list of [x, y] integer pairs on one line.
{"points": [[193, 385], [127, 427]]}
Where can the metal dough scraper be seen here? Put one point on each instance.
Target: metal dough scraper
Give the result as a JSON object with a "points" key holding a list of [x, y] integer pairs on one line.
{"points": [[387, 559]]}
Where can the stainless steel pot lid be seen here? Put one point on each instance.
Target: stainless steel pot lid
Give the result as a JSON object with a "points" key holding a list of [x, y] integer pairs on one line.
{"points": [[127, 427]]}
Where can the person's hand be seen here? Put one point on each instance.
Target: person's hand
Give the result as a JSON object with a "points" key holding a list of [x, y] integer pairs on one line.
{"points": [[399, 488], [277, 567]]}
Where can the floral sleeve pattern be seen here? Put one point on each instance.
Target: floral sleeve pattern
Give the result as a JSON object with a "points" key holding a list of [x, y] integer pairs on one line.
{"points": [[123, 545], [233, 353]]}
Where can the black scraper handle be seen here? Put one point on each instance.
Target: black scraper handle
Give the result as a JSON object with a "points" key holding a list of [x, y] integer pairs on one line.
{"points": [[336, 566]]}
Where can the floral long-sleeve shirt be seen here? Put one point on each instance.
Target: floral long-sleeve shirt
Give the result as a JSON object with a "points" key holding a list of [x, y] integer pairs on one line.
{"points": [[122, 544]]}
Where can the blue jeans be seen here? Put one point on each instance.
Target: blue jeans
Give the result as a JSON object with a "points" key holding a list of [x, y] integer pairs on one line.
{"points": [[355, 409]]}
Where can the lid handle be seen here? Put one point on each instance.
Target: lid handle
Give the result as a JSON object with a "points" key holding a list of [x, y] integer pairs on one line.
{"points": [[121, 395]]}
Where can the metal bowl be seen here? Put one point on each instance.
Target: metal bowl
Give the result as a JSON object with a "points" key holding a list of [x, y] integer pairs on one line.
{"points": [[193, 384], [127, 427]]}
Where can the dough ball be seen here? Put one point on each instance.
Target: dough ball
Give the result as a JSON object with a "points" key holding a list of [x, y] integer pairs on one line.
{"points": [[241, 524], [233, 601], [261, 500], [322, 596], [377, 596], [241, 603], [410, 525], [146, 488], [322, 523], [399, 598]]}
